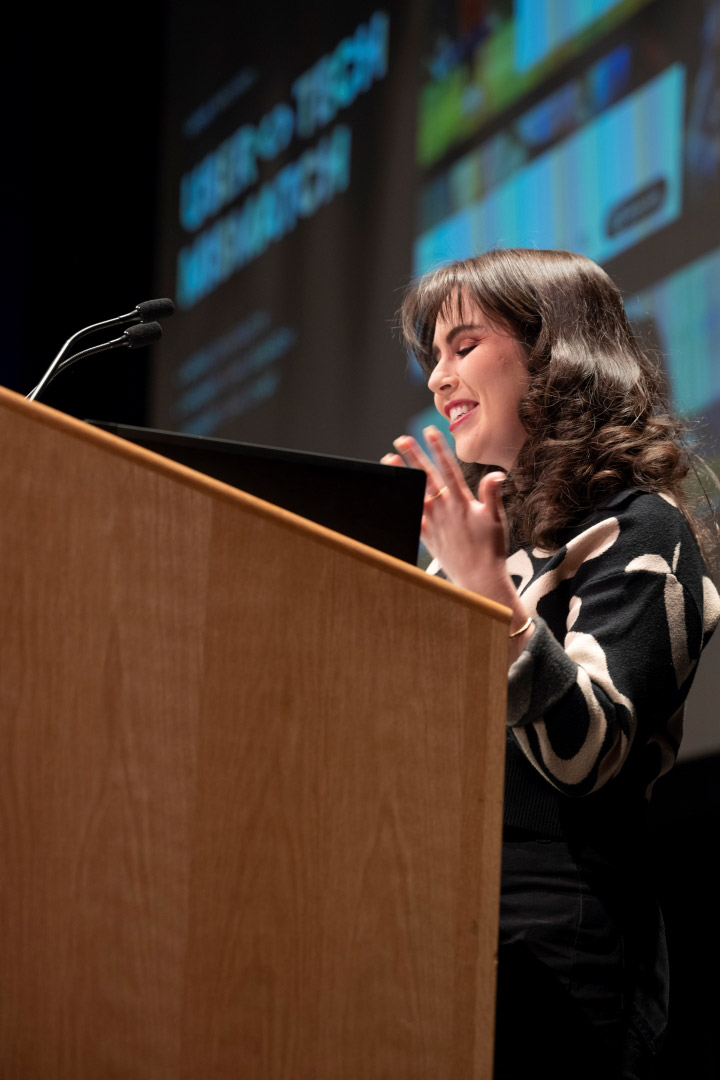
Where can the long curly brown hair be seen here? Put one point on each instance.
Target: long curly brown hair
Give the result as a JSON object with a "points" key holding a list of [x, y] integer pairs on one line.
{"points": [[595, 410]]}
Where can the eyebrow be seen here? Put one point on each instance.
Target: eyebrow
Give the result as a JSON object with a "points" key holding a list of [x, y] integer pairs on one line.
{"points": [[457, 330]]}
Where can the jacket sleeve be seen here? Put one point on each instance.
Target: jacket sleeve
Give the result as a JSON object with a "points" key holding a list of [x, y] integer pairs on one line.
{"points": [[619, 628]]}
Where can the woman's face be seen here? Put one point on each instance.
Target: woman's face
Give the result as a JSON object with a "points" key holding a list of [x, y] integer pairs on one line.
{"points": [[479, 378]]}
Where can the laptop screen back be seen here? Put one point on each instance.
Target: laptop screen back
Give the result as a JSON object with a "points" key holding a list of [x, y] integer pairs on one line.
{"points": [[378, 505]]}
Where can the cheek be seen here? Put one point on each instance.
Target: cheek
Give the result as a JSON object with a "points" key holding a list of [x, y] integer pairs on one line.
{"points": [[515, 379], [523, 382]]}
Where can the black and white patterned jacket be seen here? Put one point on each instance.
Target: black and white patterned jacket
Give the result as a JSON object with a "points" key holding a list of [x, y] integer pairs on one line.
{"points": [[622, 611]]}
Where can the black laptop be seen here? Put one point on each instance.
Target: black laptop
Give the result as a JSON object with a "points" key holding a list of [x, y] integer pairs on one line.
{"points": [[378, 505]]}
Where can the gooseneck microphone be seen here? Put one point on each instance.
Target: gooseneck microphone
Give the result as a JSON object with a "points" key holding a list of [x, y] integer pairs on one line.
{"points": [[142, 316], [135, 337]]}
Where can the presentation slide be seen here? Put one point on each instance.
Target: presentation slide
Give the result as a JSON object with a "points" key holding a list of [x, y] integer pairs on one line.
{"points": [[592, 127]]}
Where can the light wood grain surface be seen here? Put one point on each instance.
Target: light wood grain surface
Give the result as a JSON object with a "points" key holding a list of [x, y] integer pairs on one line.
{"points": [[251, 784]]}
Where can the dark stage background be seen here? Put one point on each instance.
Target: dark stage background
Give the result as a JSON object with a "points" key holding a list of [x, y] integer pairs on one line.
{"points": [[283, 171]]}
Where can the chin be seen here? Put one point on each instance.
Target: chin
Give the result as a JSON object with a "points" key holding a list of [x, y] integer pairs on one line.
{"points": [[468, 454]]}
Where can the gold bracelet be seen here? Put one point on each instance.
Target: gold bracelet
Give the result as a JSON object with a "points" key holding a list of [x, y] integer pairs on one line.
{"points": [[523, 628]]}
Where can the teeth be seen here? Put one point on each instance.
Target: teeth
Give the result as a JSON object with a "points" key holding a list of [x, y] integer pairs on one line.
{"points": [[459, 410]]}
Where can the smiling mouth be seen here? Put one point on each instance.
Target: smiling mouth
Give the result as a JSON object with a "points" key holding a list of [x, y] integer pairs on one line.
{"points": [[458, 413]]}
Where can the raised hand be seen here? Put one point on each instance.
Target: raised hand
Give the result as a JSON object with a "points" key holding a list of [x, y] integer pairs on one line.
{"points": [[467, 534]]}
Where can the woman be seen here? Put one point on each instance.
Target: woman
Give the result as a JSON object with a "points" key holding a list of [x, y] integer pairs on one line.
{"points": [[586, 536]]}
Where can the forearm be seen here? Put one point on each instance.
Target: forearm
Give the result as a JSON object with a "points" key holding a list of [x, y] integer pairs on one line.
{"points": [[575, 730]]}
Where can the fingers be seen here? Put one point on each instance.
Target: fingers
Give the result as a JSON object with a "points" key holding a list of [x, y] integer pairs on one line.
{"points": [[411, 452], [444, 474], [392, 459], [446, 462], [416, 459]]}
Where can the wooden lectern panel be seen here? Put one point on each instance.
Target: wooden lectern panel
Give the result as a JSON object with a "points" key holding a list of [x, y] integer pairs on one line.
{"points": [[251, 809]]}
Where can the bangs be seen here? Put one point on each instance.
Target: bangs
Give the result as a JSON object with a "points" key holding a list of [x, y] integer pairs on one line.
{"points": [[437, 294], [536, 296]]}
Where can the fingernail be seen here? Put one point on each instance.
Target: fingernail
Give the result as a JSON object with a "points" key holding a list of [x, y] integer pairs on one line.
{"points": [[402, 442]]}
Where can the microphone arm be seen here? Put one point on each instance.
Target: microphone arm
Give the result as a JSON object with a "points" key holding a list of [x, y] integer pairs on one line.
{"points": [[135, 337], [148, 309]]}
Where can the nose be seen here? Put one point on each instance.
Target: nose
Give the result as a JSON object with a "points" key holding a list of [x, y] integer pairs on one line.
{"points": [[442, 378]]}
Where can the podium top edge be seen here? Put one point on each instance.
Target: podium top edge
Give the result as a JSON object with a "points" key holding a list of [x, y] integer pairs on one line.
{"points": [[37, 412]]}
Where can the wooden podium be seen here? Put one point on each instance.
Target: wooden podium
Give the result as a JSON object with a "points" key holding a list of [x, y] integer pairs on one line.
{"points": [[250, 809]]}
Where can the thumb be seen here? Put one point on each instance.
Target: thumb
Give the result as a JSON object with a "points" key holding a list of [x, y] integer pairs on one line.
{"points": [[489, 494]]}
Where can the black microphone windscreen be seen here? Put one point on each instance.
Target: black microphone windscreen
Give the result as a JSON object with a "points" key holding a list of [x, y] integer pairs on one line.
{"points": [[144, 333], [156, 309]]}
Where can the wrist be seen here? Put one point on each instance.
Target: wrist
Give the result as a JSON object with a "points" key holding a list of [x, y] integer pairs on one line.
{"points": [[521, 629], [525, 625]]}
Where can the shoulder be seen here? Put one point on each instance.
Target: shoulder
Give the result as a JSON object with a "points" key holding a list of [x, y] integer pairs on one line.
{"points": [[644, 533], [635, 523], [643, 512]]}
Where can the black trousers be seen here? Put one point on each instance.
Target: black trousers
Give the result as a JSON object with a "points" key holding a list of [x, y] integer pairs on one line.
{"points": [[582, 972]]}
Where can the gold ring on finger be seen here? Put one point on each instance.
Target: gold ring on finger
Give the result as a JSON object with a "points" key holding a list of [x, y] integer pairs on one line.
{"points": [[437, 494]]}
